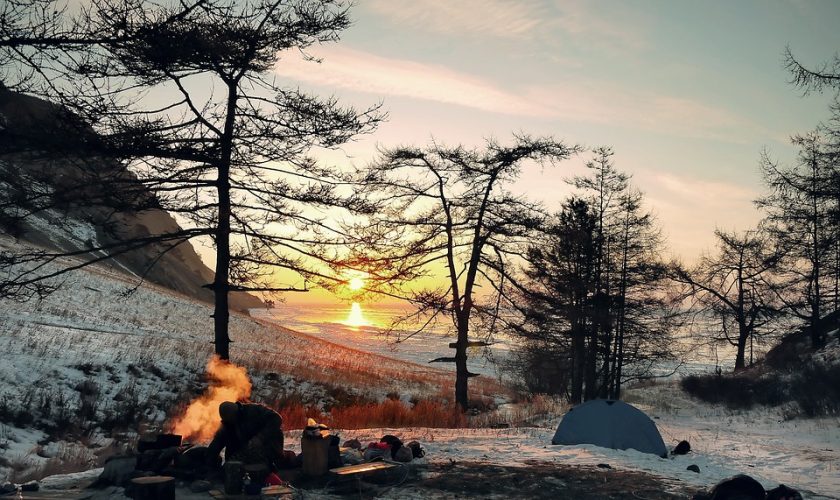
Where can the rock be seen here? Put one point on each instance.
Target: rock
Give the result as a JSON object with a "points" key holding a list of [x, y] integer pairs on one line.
{"points": [[782, 492], [605, 466], [7, 488], [693, 468], [682, 448], [118, 470], [200, 486], [741, 487]]}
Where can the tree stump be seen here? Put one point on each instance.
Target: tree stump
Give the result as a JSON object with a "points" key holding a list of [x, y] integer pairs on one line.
{"points": [[153, 488]]}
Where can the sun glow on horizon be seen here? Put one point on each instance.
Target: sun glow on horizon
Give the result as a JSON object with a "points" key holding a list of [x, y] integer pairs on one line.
{"points": [[356, 318]]}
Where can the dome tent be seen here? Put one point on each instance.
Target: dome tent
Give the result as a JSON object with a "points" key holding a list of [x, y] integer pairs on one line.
{"points": [[611, 424]]}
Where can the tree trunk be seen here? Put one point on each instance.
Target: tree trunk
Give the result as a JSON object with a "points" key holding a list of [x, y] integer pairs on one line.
{"points": [[221, 314], [621, 320], [619, 365], [578, 353], [462, 375], [816, 332], [590, 370], [221, 283], [743, 334], [461, 379], [619, 348]]}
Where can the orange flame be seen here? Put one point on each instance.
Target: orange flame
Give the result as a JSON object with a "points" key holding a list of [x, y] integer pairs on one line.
{"points": [[228, 382]]}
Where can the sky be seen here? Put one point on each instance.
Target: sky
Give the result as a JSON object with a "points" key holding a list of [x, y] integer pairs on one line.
{"points": [[687, 93]]}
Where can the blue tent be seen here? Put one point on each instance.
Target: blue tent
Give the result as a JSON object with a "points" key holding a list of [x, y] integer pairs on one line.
{"points": [[611, 424]]}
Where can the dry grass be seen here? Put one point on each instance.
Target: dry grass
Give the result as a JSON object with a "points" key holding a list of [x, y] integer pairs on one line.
{"points": [[393, 413], [389, 413], [69, 459]]}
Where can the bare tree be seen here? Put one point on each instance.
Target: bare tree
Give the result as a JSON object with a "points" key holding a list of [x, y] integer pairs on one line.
{"points": [[736, 287], [184, 96], [799, 217], [450, 218], [826, 75]]}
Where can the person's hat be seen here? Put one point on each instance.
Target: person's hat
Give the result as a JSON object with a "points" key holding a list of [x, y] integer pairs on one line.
{"points": [[228, 411]]}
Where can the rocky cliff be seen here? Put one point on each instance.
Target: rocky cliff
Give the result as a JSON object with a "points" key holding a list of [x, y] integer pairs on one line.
{"points": [[56, 202]]}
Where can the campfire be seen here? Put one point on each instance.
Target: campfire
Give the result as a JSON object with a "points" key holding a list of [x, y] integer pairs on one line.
{"points": [[161, 460], [200, 421]]}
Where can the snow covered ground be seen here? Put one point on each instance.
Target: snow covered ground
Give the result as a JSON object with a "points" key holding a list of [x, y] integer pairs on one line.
{"points": [[90, 335], [721, 450]]}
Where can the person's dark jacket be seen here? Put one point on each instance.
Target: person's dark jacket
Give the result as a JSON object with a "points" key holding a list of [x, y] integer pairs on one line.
{"points": [[252, 420]]}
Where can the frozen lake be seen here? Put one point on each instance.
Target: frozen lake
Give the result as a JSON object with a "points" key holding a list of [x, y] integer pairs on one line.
{"points": [[367, 328]]}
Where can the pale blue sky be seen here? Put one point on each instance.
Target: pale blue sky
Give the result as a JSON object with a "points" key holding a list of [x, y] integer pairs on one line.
{"points": [[688, 93]]}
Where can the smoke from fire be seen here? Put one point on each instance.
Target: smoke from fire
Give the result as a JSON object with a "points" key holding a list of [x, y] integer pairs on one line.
{"points": [[227, 382]]}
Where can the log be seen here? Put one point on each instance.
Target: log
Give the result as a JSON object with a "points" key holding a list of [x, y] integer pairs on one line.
{"points": [[442, 360], [472, 343], [153, 488], [158, 442]]}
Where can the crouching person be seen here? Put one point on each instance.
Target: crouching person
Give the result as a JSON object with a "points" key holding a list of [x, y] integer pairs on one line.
{"points": [[250, 433]]}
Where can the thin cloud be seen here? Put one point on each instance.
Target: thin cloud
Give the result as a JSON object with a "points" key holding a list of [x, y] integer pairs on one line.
{"points": [[502, 19], [581, 22], [578, 101], [695, 192], [361, 71], [617, 106]]}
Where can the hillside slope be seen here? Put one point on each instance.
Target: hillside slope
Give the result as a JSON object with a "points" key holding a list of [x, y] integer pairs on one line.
{"points": [[90, 364], [74, 224]]}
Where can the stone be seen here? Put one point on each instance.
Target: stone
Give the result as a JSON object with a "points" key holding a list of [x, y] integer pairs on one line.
{"points": [[693, 468], [742, 487], [682, 448], [782, 492]]}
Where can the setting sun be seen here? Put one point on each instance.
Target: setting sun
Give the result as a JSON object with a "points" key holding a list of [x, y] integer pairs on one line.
{"points": [[355, 318], [356, 283]]}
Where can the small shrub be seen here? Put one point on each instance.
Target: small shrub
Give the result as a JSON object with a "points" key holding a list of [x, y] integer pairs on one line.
{"points": [[87, 368], [814, 388], [817, 390], [125, 411], [87, 388], [717, 389]]}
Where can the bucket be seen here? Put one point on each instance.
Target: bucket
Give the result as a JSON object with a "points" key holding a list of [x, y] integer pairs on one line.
{"points": [[314, 446]]}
